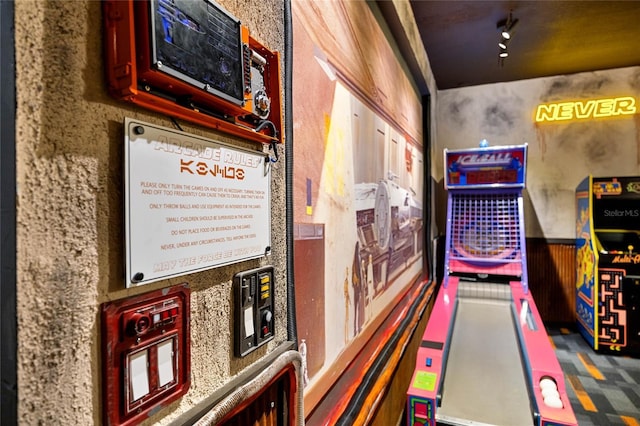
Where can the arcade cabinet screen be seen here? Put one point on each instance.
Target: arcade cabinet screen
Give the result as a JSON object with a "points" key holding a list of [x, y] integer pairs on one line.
{"points": [[198, 42], [619, 241]]}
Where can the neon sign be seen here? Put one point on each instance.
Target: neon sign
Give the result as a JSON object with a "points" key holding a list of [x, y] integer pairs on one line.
{"points": [[580, 110]]}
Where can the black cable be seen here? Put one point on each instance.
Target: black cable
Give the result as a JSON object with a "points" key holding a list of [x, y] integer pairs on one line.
{"points": [[175, 123], [292, 327], [274, 147], [8, 318], [265, 123]]}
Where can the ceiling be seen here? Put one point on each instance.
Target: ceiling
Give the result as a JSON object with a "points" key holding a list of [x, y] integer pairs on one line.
{"points": [[551, 38]]}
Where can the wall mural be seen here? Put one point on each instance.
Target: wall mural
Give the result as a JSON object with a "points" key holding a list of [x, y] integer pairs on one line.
{"points": [[358, 185]]}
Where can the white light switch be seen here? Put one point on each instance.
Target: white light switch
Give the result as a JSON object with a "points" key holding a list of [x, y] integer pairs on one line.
{"points": [[138, 375], [248, 322], [165, 362]]}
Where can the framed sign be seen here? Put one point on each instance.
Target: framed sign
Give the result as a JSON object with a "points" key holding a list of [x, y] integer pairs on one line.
{"points": [[191, 203]]}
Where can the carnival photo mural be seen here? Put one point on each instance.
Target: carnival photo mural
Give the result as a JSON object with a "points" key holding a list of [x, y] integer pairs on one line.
{"points": [[358, 184]]}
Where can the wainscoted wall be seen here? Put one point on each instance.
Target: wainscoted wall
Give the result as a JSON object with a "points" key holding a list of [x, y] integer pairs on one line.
{"points": [[552, 275], [551, 267], [561, 153]]}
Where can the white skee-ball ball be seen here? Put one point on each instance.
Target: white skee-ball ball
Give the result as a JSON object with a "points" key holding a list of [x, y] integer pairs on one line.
{"points": [[547, 383], [553, 401], [547, 392]]}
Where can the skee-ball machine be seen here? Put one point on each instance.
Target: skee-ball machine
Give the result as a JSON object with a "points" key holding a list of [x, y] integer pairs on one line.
{"points": [[485, 357]]}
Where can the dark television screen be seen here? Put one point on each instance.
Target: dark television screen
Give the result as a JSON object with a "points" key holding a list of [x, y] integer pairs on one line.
{"points": [[198, 42], [477, 177], [619, 241]]}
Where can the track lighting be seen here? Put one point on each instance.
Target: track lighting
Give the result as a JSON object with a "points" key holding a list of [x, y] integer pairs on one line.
{"points": [[506, 32]]}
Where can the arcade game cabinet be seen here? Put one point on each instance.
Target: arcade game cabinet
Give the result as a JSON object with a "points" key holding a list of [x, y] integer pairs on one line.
{"points": [[485, 357], [608, 263]]}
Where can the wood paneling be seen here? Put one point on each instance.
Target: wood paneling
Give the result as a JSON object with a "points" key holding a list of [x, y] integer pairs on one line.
{"points": [[552, 276]]}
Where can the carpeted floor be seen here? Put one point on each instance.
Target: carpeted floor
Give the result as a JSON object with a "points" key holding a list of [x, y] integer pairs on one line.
{"points": [[603, 389]]}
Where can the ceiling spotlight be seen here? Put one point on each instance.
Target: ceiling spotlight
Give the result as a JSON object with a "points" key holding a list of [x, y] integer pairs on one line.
{"points": [[503, 44], [506, 27], [504, 54]]}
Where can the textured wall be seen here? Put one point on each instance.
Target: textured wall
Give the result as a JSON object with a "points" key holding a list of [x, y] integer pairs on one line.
{"points": [[561, 154], [70, 218]]}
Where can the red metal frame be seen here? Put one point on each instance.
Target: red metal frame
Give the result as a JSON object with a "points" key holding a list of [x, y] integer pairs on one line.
{"points": [[128, 68], [143, 323]]}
